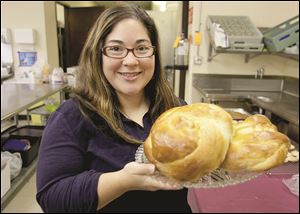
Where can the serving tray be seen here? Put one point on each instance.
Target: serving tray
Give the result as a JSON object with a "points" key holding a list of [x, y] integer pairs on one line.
{"points": [[216, 179]]}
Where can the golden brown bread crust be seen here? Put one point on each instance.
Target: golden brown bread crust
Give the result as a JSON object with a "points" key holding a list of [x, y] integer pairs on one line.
{"points": [[190, 141], [237, 115], [256, 146]]}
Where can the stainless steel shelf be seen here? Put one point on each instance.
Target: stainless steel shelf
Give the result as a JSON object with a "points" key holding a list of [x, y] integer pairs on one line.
{"points": [[15, 98], [212, 52]]}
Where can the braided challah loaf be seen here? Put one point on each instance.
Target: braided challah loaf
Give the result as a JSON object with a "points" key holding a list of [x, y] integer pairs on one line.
{"points": [[256, 146], [190, 141]]}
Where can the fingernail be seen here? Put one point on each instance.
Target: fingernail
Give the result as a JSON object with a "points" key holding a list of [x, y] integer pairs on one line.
{"points": [[152, 168]]}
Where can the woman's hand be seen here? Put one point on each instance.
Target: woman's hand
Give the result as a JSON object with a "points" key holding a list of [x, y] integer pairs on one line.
{"points": [[134, 176], [139, 176]]}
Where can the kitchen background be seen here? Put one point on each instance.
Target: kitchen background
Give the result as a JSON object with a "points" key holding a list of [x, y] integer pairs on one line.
{"points": [[51, 30], [47, 21]]}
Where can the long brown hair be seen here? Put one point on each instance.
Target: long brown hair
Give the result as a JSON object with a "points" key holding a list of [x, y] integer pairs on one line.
{"points": [[94, 92]]}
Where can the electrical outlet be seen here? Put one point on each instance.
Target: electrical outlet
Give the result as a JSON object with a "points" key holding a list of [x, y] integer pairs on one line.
{"points": [[198, 60]]}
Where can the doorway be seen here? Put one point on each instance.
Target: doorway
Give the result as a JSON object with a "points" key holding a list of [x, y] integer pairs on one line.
{"points": [[73, 27]]}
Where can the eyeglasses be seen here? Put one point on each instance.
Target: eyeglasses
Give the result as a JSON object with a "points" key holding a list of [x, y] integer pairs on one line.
{"points": [[120, 52]]}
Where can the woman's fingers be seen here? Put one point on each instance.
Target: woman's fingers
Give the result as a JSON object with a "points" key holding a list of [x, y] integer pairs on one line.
{"points": [[140, 168], [142, 177]]}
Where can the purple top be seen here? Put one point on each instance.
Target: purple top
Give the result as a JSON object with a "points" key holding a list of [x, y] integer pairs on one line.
{"points": [[72, 156]]}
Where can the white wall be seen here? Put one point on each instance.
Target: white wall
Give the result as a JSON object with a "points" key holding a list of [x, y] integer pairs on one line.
{"points": [[51, 33], [262, 14], [38, 15]]}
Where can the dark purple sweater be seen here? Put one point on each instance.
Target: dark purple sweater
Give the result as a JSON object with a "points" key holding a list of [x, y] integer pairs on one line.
{"points": [[73, 154]]}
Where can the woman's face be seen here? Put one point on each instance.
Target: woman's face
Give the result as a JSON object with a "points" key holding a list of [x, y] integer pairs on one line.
{"points": [[128, 75]]}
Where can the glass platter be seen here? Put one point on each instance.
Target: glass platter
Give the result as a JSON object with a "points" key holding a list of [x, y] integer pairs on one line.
{"points": [[215, 179]]}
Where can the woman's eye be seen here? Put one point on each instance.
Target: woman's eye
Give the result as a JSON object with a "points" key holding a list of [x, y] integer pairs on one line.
{"points": [[116, 49], [142, 48]]}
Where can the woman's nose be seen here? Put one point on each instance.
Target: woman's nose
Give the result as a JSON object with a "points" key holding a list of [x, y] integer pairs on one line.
{"points": [[130, 60]]}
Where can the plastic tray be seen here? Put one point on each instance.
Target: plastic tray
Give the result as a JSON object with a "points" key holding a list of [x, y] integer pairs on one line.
{"points": [[27, 131], [241, 32], [29, 155], [283, 35], [216, 179], [31, 133]]}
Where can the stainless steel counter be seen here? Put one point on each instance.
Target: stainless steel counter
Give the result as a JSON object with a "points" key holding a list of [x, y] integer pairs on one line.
{"points": [[279, 103], [223, 95], [284, 105], [276, 94], [16, 98]]}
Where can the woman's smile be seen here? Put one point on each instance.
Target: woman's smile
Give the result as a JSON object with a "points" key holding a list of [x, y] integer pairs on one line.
{"points": [[129, 76]]}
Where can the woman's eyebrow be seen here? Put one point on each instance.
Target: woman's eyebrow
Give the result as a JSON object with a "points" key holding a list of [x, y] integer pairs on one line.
{"points": [[142, 40], [115, 41], [122, 43]]}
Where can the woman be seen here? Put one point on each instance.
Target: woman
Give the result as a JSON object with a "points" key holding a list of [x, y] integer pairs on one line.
{"points": [[86, 160]]}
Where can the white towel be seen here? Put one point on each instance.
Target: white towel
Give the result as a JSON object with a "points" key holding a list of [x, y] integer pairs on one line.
{"points": [[220, 36]]}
